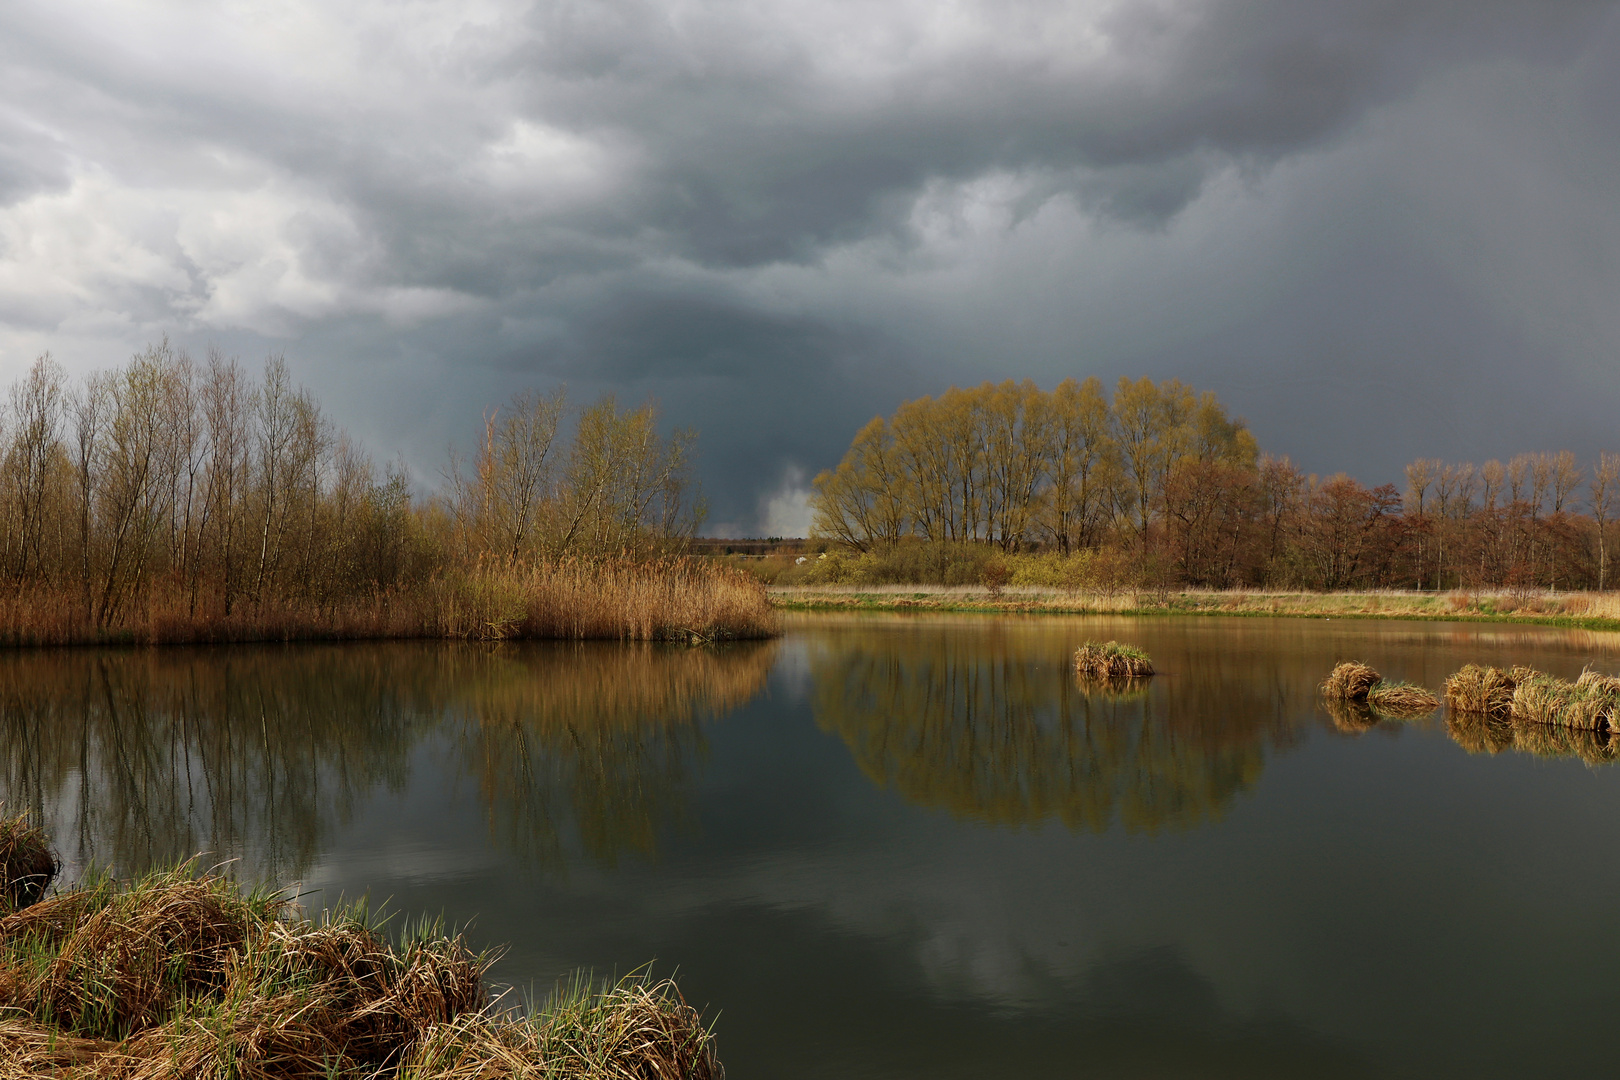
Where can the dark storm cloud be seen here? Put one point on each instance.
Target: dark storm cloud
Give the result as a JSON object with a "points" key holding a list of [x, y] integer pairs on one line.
{"points": [[781, 218]]}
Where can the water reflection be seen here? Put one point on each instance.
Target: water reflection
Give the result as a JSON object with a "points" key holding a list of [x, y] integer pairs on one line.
{"points": [[599, 736], [144, 757], [993, 726], [1488, 735]]}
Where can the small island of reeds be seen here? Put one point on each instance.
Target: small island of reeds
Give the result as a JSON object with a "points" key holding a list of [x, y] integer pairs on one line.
{"points": [[1111, 661], [1358, 684], [179, 974], [1521, 694]]}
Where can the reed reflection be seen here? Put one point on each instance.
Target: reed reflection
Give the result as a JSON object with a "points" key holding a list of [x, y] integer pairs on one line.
{"points": [[141, 758], [994, 726], [1480, 734], [593, 741]]}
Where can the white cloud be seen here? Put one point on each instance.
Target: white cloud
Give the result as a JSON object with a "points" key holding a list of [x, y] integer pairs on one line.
{"points": [[786, 511]]}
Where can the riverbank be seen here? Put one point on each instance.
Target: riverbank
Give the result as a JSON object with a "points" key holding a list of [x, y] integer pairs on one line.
{"points": [[1588, 611], [177, 974], [676, 599]]}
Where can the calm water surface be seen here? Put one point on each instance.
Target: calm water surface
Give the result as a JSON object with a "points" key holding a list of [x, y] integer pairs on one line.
{"points": [[893, 847]]}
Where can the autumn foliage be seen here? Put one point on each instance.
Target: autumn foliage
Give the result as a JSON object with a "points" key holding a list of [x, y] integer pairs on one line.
{"points": [[1158, 486]]}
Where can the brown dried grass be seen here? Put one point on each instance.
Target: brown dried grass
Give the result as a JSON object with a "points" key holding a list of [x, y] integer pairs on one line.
{"points": [[1111, 660], [667, 599], [1402, 700], [1349, 681], [183, 976], [639, 1029], [27, 864], [1589, 703], [1485, 691]]}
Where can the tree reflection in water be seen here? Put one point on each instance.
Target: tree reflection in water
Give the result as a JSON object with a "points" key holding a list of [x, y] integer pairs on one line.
{"points": [[599, 734], [141, 758], [994, 726]]}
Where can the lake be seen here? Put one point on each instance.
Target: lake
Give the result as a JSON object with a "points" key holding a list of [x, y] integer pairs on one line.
{"points": [[897, 846]]}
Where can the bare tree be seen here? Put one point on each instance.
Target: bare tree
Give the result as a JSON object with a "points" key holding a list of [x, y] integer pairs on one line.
{"points": [[1605, 488], [37, 410]]}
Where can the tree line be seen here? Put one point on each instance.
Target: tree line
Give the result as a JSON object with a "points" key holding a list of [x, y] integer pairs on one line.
{"points": [[214, 487], [1163, 481]]}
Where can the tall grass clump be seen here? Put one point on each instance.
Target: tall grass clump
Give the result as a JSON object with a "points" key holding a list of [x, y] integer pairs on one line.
{"points": [[1357, 683], [183, 975], [1482, 691], [1349, 681], [27, 864], [1401, 699], [1112, 660], [1589, 702]]}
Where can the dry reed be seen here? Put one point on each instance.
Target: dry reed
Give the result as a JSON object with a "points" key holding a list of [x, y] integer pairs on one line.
{"points": [[26, 862], [1589, 702], [1356, 683], [1349, 681], [1484, 691], [1527, 696], [671, 599], [1402, 700], [180, 976], [1111, 660]]}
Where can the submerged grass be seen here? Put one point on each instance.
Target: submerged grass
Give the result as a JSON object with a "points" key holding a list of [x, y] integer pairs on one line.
{"points": [[1112, 660], [185, 975]]}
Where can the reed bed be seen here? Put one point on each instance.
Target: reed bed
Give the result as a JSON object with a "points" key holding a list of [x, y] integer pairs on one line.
{"points": [[1590, 702], [1482, 691], [1112, 660], [184, 975], [1357, 683], [669, 599], [1524, 695]]}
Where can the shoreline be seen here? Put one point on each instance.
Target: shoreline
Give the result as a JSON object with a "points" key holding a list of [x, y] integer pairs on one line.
{"points": [[1575, 611]]}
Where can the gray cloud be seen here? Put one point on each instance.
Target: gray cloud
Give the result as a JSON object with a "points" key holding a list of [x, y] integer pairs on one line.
{"points": [[782, 219]]}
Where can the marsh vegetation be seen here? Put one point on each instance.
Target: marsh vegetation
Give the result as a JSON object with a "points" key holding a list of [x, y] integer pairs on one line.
{"points": [[179, 973], [171, 501]]}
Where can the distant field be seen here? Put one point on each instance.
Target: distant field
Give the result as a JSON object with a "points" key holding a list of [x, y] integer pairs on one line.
{"points": [[1598, 611]]}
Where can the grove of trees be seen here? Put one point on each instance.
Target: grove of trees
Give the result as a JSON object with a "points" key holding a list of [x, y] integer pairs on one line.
{"points": [[207, 489], [1160, 480]]}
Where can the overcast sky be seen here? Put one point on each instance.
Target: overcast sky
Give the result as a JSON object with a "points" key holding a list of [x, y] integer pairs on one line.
{"points": [[1379, 229]]}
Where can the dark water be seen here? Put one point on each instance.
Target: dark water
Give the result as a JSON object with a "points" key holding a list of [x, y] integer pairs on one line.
{"points": [[910, 848]]}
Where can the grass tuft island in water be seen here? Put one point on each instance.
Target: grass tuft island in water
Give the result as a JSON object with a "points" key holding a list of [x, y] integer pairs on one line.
{"points": [[183, 974]]}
